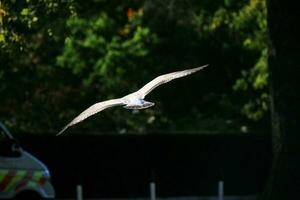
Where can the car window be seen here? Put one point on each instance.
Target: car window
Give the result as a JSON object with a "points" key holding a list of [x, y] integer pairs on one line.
{"points": [[7, 145]]}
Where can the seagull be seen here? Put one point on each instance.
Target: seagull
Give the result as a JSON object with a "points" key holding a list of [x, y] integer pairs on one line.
{"points": [[133, 100]]}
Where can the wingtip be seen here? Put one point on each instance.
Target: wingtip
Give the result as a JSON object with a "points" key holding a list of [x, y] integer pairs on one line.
{"points": [[60, 132], [200, 68]]}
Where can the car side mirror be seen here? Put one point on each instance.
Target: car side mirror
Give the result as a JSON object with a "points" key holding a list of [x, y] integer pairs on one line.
{"points": [[10, 148]]}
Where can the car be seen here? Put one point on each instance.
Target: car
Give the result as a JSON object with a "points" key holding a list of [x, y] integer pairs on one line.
{"points": [[22, 176]]}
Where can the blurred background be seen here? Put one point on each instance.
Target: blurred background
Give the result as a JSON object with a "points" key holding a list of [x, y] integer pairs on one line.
{"points": [[59, 57]]}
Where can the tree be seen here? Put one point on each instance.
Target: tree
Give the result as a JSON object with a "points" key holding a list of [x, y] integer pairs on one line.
{"points": [[103, 53], [231, 35], [88, 49], [284, 66], [29, 40]]}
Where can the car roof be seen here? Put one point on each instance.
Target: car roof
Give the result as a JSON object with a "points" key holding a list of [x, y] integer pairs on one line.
{"points": [[5, 131]]}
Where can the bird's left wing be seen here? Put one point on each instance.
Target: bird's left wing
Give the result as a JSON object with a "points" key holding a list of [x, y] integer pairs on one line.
{"points": [[97, 107], [166, 78]]}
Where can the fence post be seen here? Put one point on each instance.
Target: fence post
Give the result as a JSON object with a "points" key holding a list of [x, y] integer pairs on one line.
{"points": [[220, 190], [79, 192], [152, 191]]}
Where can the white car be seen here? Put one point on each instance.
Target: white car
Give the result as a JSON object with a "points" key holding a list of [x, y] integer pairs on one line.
{"points": [[22, 176]]}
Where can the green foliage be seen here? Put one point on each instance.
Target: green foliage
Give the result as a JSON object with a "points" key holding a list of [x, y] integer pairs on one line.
{"points": [[255, 81], [26, 48], [101, 51], [20, 19], [104, 54], [58, 57], [247, 28]]}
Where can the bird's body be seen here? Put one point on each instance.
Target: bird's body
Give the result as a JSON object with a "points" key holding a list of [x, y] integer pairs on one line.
{"points": [[134, 100], [141, 104]]}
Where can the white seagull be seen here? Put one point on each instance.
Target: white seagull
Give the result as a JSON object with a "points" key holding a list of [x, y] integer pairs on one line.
{"points": [[134, 100]]}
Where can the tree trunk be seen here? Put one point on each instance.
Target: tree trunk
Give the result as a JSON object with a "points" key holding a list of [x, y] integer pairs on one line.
{"points": [[284, 66]]}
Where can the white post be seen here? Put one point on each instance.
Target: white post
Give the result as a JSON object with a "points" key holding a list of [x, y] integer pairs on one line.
{"points": [[220, 190], [152, 191], [79, 192]]}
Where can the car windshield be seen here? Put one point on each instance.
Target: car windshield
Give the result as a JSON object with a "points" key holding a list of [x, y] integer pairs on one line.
{"points": [[3, 136], [7, 144]]}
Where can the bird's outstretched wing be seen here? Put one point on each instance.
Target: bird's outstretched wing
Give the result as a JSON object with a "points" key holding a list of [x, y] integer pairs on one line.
{"points": [[166, 78], [97, 107]]}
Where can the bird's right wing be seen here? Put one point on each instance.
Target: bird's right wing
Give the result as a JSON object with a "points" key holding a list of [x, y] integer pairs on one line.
{"points": [[166, 78], [97, 107]]}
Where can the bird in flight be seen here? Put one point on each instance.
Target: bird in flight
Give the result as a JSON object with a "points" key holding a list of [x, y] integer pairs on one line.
{"points": [[134, 100]]}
